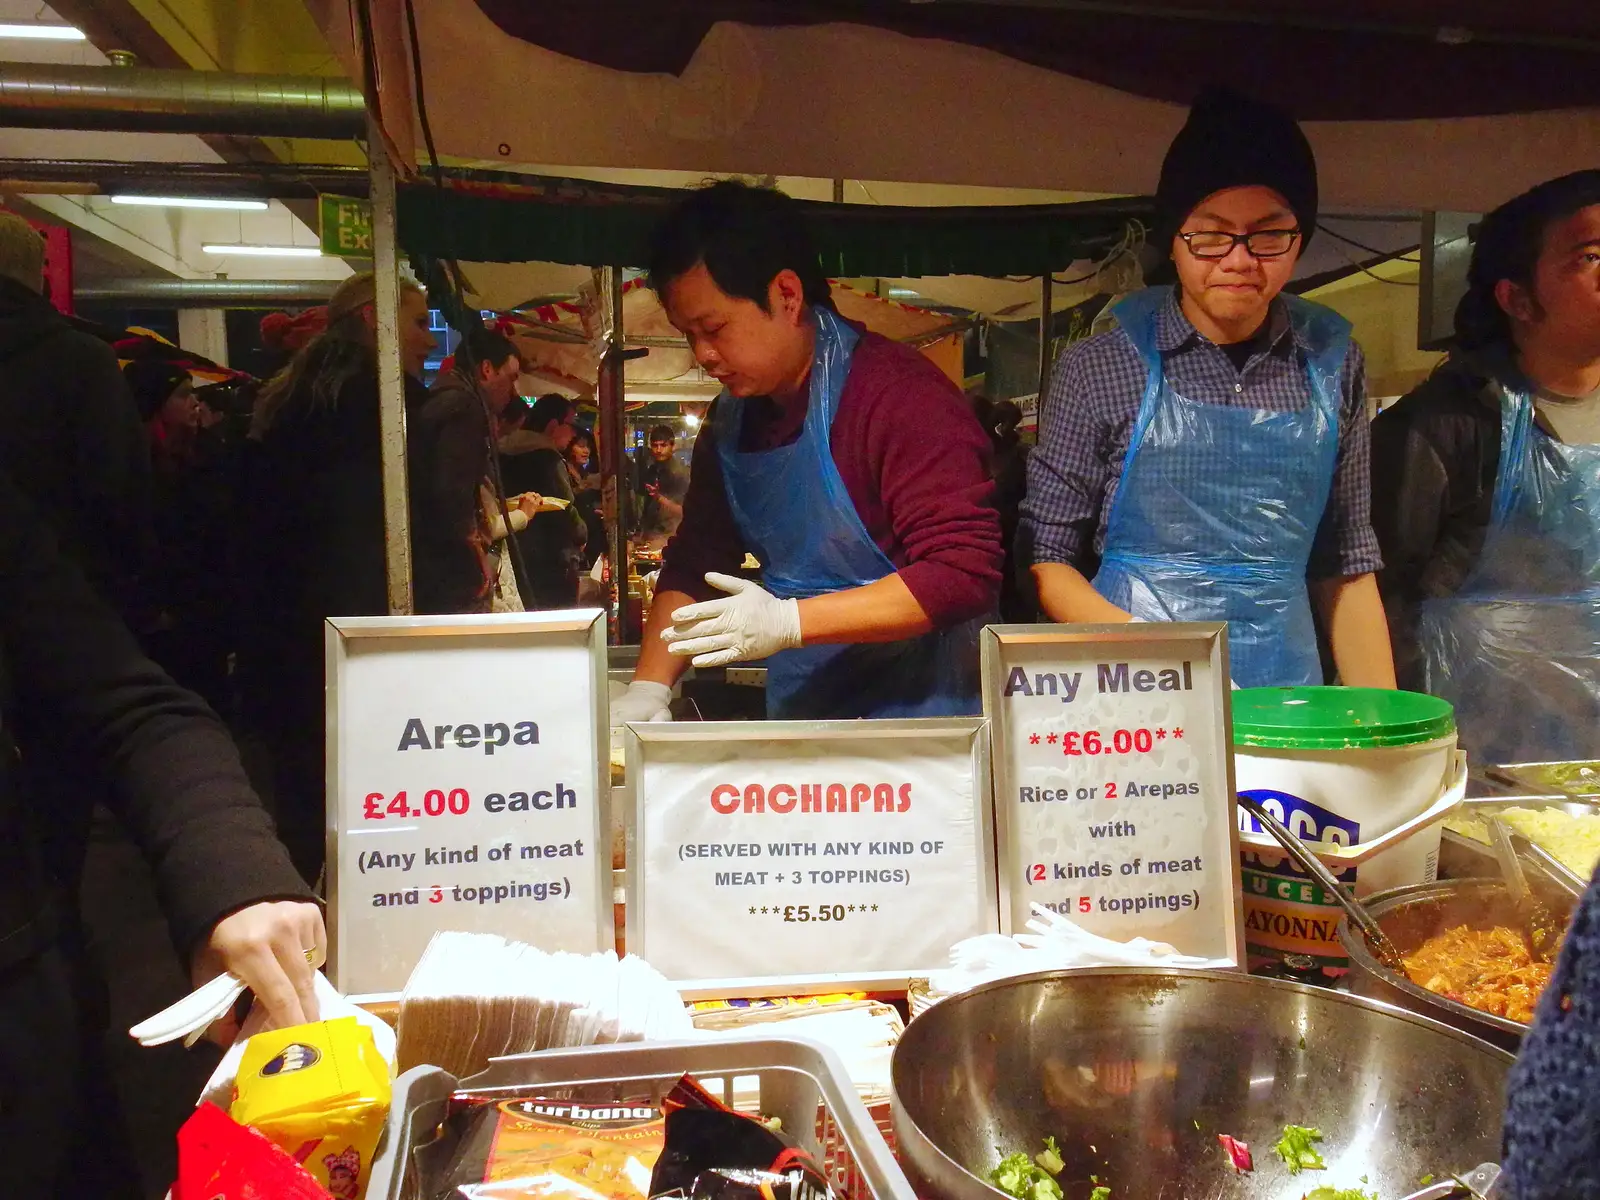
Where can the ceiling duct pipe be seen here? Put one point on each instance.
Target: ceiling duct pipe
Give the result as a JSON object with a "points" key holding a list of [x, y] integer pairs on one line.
{"points": [[147, 100], [206, 293]]}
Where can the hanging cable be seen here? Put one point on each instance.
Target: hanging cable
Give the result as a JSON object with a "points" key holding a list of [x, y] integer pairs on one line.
{"points": [[1365, 270], [1386, 255]]}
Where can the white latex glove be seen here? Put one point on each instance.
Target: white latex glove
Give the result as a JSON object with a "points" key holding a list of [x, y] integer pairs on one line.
{"points": [[643, 701], [750, 623]]}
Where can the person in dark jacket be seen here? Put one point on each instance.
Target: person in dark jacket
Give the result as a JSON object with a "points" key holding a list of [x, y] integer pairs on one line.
{"points": [[662, 485], [1552, 1120], [232, 897], [583, 473], [73, 443], [1000, 419], [1487, 489], [188, 584], [315, 491], [531, 461], [450, 442], [69, 432]]}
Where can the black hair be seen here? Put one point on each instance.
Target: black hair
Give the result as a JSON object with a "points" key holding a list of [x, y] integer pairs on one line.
{"points": [[1509, 243], [551, 407], [744, 235], [484, 345], [515, 415], [663, 433]]}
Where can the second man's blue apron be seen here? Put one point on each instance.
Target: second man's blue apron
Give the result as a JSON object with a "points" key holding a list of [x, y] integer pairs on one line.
{"points": [[1517, 648], [796, 516], [1218, 506]]}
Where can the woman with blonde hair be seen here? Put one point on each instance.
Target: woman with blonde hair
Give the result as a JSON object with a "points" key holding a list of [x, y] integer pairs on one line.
{"points": [[316, 528]]}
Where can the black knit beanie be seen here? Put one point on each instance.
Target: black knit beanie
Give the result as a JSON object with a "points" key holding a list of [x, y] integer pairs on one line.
{"points": [[152, 383], [1232, 141]]}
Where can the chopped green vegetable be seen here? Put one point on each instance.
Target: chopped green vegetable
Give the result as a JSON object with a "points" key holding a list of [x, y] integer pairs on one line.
{"points": [[1328, 1193], [1298, 1150], [1425, 1181], [1100, 1193], [1302, 1043], [1019, 1176], [1051, 1159]]}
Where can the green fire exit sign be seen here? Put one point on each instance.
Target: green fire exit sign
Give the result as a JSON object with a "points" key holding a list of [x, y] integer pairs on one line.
{"points": [[346, 226]]}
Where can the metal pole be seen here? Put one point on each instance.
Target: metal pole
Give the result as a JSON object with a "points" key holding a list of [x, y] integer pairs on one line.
{"points": [[391, 378], [1047, 300], [610, 396]]}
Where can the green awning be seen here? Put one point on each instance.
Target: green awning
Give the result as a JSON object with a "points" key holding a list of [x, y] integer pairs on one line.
{"points": [[482, 216]]}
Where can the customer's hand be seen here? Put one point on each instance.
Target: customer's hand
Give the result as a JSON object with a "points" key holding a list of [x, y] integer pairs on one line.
{"points": [[529, 503], [750, 622], [275, 948]]}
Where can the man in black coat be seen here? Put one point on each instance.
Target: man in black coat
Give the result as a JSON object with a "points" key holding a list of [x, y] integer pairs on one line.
{"points": [[70, 434], [450, 447], [232, 897]]}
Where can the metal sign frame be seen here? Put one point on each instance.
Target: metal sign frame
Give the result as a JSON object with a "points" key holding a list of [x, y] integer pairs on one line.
{"points": [[722, 741], [1205, 641], [573, 627]]}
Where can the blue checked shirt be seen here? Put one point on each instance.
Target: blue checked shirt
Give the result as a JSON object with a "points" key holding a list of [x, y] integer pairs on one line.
{"points": [[1089, 414]]}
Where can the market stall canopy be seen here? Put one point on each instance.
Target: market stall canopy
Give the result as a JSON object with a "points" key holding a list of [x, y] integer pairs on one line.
{"points": [[560, 343], [492, 216], [857, 101], [1321, 58]]}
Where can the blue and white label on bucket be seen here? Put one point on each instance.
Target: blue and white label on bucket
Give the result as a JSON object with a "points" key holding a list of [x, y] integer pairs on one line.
{"points": [[1286, 911], [1305, 820]]}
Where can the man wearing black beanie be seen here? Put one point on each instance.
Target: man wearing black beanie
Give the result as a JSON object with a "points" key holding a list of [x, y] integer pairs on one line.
{"points": [[1207, 460]]}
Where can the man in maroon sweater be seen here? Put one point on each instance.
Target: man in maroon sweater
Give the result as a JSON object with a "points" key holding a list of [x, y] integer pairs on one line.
{"points": [[847, 464]]}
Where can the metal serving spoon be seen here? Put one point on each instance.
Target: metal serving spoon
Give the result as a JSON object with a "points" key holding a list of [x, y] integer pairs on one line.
{"points": [[1540, 924]]}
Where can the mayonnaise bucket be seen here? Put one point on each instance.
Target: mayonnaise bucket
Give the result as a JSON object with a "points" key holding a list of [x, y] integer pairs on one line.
{"points": [[1342, 765]]}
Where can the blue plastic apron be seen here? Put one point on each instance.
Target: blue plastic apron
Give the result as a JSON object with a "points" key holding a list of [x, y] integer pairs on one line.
{"points": [[1218, 506], [797, 517], [1517, 648]]}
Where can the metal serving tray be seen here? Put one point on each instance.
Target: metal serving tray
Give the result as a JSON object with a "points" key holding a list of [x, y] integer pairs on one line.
{"points": [[1460, 857], [1578, 778]]}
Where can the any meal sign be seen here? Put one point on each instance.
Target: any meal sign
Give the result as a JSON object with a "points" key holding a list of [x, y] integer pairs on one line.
{"points": [[1114, 781]]}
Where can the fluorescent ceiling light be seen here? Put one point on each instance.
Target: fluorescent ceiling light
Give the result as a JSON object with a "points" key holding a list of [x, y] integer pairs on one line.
{"points": [[53, 33], [266, 251], [191, 202]]}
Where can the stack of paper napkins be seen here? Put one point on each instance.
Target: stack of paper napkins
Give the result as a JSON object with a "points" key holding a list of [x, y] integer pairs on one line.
{"points": [[476, 996], [1053, 943]]}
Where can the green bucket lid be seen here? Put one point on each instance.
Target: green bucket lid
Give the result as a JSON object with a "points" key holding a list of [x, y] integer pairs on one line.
{"points": [[1337, 718]]}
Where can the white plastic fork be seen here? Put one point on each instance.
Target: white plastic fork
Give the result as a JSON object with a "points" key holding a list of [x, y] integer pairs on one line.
{"points": [[190, 1017]]}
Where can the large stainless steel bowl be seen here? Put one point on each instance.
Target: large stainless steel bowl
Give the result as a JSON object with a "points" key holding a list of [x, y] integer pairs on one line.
{"points": [[1411, 915], [1136, 1071]]}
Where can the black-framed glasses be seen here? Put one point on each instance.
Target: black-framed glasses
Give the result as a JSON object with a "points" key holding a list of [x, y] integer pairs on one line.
{"points": [[1263, 243]]}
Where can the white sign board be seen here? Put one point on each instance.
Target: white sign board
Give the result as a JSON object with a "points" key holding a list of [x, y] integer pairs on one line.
{"points": [[772, 857], [1114, 790], [468, 787]]}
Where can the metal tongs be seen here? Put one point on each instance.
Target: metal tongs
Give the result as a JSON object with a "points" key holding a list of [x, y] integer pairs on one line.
{"points": [[1382, 948], [1540, 924], [1480, 1183]]}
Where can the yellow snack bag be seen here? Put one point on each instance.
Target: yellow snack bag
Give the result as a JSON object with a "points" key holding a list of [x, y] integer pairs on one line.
{"points": [[321, 1093]]}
